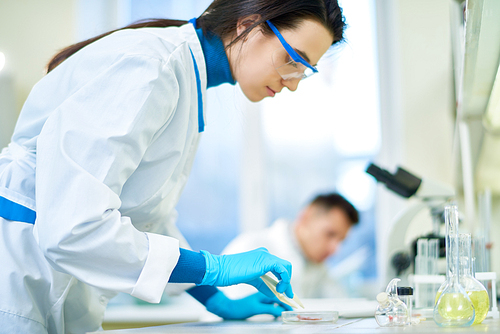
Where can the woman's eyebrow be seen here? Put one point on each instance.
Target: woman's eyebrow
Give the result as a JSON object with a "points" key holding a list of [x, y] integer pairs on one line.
{"points": [[303, 55]]}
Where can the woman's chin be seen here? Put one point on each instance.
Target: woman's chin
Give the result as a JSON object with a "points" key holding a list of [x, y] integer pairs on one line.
{"points": [[254, 97]]}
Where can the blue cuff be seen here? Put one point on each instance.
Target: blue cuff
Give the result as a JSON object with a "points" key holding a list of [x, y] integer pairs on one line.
{"points": [[190, 268], [211, 266], [202, 293]]}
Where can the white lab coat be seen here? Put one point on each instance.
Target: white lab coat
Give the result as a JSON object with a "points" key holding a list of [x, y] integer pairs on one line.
{"points": [[309, 279], [107, 139]]}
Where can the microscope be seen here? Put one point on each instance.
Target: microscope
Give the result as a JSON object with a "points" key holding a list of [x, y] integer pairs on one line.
{"points": [[431, 194]]}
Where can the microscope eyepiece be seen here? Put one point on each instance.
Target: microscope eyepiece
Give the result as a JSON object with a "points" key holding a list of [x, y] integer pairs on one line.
{"points": [[402, 182]]}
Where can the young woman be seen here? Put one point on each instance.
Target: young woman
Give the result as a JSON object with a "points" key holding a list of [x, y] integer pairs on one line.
{"points": [[104, 145]]}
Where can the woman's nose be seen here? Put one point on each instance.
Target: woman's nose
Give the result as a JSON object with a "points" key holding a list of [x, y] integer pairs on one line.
{"points": [[291, 84]]}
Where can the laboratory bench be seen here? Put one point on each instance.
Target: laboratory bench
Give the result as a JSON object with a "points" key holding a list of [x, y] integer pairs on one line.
{"points": [[184, 315], [343, 325], [184, 308]]}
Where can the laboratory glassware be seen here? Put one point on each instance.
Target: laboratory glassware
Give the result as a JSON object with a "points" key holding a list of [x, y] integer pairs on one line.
{"points": [[480, 254], [384, 312], [422, 257], [422, 268], [433, 253], [476, 291], [406, 295], [453, 305], [305, 317], [482, 234], [391, 311], [426, 263]]}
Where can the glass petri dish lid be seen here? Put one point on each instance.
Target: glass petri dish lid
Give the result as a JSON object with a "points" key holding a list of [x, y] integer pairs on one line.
{"points": [[313, 317]]}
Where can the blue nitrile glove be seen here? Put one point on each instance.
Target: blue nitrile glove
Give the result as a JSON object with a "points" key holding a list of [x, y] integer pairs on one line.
{"points": [[224, 270], [239, 309]]}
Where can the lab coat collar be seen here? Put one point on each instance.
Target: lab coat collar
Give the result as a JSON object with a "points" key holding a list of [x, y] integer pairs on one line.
{"points": [[189, 34]]}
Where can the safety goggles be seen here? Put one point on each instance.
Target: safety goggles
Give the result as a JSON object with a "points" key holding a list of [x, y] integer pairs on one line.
{"points": [[292, 66]]}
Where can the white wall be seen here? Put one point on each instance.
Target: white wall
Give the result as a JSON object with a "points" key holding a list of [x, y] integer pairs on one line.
{"points": [[31, 31], [8, 114], [417, 97]]}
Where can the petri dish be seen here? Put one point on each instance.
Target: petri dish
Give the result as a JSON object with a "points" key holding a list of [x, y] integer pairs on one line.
{"points": [[313, 317]]}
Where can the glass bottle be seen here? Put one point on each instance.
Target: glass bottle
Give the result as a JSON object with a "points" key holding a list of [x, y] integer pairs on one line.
{"points": [[383, 314], [405, 293], [453, 306], [476, 291], [391, 311]]}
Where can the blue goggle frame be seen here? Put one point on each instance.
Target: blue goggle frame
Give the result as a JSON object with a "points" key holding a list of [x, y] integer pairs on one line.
{"points": [[293, 54]]}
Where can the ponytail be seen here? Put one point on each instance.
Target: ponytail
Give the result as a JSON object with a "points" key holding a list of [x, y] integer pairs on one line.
{"points": [[68, 51]]}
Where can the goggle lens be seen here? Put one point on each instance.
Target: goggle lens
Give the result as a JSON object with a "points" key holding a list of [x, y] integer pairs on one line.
{"points": [[289, 69]]}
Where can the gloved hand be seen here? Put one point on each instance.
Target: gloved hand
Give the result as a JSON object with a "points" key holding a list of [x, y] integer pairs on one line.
{"points": [[224, 270], [239, 309]]}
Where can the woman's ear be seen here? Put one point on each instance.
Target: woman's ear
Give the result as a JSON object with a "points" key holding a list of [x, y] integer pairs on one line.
{"points": [[246, 22]]}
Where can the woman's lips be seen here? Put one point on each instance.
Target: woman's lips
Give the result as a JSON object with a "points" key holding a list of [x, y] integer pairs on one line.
{"points": [[270, 92]]}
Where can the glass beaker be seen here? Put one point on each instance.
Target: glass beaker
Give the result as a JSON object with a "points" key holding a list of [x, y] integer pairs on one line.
{"points": [[453, 306], [476, 291]]}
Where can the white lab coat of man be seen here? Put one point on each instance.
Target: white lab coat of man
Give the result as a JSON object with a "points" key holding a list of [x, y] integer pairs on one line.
{"points": [[309, 279], [106, 182]]}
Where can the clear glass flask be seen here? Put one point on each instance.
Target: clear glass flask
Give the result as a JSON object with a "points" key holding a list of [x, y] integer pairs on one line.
{"points": [[391, 311], [384, 313], [453, 306], [476, 291]]}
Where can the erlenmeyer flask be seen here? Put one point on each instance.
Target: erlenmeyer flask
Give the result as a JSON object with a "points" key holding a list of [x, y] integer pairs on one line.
{"points": [[476, 291], [453, 306]]}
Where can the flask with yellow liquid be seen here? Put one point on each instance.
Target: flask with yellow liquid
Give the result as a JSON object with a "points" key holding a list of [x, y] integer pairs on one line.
{"points": [[476, 291], [453, 307]]}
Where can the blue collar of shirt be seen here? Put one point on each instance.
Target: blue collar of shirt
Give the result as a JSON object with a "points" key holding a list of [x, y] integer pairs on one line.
{"points": [[218, 70]]}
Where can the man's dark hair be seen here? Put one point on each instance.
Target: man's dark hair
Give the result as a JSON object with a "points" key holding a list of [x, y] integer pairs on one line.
{"points": [[334, 200]]}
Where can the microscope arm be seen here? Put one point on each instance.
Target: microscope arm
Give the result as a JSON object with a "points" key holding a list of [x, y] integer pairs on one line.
{"points": [[396, 238]]}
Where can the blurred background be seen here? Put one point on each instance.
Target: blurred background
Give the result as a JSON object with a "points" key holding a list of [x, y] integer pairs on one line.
{"points": [[387, 95]]}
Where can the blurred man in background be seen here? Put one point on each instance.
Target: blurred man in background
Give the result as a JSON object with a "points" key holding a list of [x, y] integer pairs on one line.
{"points": [[314, 236]]}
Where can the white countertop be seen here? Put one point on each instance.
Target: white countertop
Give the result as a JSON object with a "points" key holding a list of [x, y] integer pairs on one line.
{"points": [[198, 320], [361, 325], [186, 309]]}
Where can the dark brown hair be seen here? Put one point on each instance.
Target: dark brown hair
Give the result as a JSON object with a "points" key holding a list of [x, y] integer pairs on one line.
{"points": [[221, 18], [334, 200]]}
